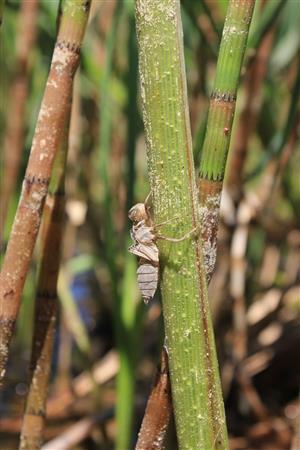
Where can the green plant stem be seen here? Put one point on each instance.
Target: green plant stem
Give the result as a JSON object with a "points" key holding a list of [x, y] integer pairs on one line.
{"points": [[220, 119], [196, 392]]}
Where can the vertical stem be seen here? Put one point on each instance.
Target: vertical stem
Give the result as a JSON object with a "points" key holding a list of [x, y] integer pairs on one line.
{"points": [[46, 306], [220, 118], [196, 392], [54, 110]]}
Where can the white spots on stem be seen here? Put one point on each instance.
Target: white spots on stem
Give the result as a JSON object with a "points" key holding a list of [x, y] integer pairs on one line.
{"points": [[230, 30], [148, 15], [46, 112], [61, 59], [52, 83]]}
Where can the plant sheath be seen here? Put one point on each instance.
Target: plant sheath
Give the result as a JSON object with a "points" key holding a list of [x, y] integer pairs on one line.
{"points": [[158, 411]]}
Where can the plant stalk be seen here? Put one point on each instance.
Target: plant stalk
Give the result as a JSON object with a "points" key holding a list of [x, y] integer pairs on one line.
{"points": [[46, 306], [50, 124], [219, 123], [196, 391]]}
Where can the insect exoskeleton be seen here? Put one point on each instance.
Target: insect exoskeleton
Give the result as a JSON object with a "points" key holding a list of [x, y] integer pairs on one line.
{"points": [[147, 277], [144, 238], [138, 212], [144, 246]]}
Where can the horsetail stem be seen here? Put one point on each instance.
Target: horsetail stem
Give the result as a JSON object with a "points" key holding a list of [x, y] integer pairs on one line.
{"points": [[49, 128], [196, 392], [220, 119]]}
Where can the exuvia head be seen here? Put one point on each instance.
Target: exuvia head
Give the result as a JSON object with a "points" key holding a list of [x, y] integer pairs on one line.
{"points": [[137, 213]]}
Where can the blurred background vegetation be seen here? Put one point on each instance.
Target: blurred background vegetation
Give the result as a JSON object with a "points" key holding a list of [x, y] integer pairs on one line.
{"points": [[107, 342]]}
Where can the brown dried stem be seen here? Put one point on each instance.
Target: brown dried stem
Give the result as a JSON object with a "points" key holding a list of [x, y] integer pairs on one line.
{"points": [[158, 410], [46, 306], [54, 110]]}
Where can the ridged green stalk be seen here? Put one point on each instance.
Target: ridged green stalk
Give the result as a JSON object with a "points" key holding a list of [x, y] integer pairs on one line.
{"points": [[196, 392], [223, 97], [220, 119]]}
